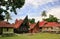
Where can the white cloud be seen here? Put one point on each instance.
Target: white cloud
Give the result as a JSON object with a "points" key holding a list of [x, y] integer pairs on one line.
{"points": [[54, 11], [37, 17], [36, 3]]}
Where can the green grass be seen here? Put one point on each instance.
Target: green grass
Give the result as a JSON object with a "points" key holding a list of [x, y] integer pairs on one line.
{"points": [[34, 36]]}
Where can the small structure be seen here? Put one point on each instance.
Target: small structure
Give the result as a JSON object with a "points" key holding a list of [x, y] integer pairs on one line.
{"points": [[21, 26], [6, 27], [34, 28]]}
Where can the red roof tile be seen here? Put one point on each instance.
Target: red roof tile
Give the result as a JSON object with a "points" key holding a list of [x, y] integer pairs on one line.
{"points": [[51, 24], [42, 23], [48, 24], [6, 24], [18, 23]]}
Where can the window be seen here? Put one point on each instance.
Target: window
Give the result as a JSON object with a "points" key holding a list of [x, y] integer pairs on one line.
{"points": [[51, 27], [5, 29]]}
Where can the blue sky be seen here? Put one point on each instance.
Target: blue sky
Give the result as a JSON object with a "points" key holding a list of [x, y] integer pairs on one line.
{"points": [[34, 8]]}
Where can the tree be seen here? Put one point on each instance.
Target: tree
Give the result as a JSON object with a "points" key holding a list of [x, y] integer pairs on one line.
{"points": [[7, 17], [51, 19], [44, 14], [32, 20], [10, 5], [1, 17]]}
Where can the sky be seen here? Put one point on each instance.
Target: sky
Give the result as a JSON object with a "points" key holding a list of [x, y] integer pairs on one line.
{"points": [[34, 8]]}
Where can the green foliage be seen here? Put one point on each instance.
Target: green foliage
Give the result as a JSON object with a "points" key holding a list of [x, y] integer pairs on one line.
{"points": [[14, 4], [10, 5], [32, 20], [1, 16], [51, 19]]}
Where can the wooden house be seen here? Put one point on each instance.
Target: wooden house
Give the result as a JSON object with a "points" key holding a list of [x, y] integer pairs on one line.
{"points": [[41, 24], [21, 26], [6, 27], [24, 26], [34, 28], [50, 27]]}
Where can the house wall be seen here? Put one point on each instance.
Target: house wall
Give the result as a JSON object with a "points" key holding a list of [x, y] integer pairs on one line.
{"points": [[0, 31], [10, 30], [56, 29], [51, 29], [48, 29], [34, 30], [44, 29]]}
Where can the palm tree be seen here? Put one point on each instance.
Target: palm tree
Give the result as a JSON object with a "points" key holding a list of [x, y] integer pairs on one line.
{"points": [[8, 17], [44, 13]]}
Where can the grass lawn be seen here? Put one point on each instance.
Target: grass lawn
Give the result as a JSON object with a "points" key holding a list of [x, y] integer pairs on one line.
{"points": [[34, 36]]}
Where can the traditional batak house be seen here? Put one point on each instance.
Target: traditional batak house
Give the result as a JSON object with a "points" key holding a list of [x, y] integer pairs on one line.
{"points": [[34, 28], [50, 27], [6, 27], [24, 26], [21, 26]]}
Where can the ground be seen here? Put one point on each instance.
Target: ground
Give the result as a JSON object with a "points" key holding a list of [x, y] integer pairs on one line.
{"points": [[34, 36]]}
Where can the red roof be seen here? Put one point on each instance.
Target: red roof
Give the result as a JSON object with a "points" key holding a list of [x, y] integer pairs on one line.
{"points": [[6, 24], [18, 23], [42, 23], [32, 25], [48, 24], [52, 24]]}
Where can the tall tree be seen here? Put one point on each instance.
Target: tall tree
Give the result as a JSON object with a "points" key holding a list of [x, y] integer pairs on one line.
{"points": [[44, 14], [7, 17], [10, 5]]}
